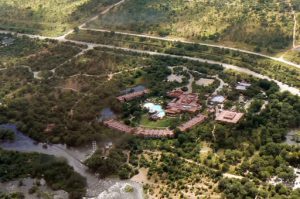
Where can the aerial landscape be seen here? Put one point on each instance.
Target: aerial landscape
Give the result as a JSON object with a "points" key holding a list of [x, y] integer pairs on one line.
{"points": [[149, 99]]}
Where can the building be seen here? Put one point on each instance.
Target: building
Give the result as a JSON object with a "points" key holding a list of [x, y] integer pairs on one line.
{"points": [[154, 133], [133, 95], [193, 122], [183, 102], [219, 99], [144, 132], [242, 86], [119, 126], [229, 116]]}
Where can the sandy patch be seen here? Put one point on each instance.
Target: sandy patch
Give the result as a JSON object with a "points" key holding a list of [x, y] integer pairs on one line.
{"points": [[71, 84], [175, 78], [204, 82], [141, 177]]}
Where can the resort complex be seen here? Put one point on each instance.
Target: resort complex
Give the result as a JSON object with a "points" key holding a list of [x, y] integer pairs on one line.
{"points": [[150, 99], [180, 103]]}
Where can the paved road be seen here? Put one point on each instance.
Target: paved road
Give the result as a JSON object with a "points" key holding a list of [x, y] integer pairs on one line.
{"points": [[204, 44]]}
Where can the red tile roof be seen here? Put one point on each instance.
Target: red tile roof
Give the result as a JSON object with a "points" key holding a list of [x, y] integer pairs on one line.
{"points": [[229, 116], [114, 124], [193, 122], [154, 133], [184, 102]]}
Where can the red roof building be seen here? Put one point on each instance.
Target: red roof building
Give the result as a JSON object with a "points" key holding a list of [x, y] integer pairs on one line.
{"points": [[154, 133], [193, 122], [119, 126], [131, 96], [183, 102], [144, 132], [229, 116]]}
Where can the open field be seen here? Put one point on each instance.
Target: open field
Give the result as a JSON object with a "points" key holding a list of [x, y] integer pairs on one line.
{"points": [[51, 17], [254, 25]]}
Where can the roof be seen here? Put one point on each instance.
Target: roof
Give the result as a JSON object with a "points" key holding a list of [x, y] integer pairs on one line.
{"points": [[229, 116], [154, 132], [114, 124], [218, 99], [131, 96], [242, 86], [184, 102], [193, 122], [176, 93]]}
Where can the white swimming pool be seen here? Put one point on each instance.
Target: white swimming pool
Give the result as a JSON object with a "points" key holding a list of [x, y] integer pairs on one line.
{"points": [[155, 109]]}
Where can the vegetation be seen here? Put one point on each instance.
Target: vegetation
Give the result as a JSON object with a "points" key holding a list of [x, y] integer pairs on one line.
{"points": [[256, 25], [233, 188], [113, 164], [293, 56], [57, 173], [273, 160], [37, 54], [63, 106], [16, 195], [47, 18], [284, 73], [6, 135], [166, 122]]}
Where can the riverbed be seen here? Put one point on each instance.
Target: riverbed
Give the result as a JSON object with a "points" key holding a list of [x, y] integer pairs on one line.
{"points": [[108, 188]]}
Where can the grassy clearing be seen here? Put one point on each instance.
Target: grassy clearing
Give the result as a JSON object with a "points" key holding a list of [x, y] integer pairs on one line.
{"points": [[249, 24], [51, 17], [165, 122]]}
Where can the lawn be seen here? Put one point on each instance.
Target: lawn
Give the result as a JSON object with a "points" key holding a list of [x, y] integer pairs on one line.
{"points": [[249, 24], [51, 17], [165, 122]]}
